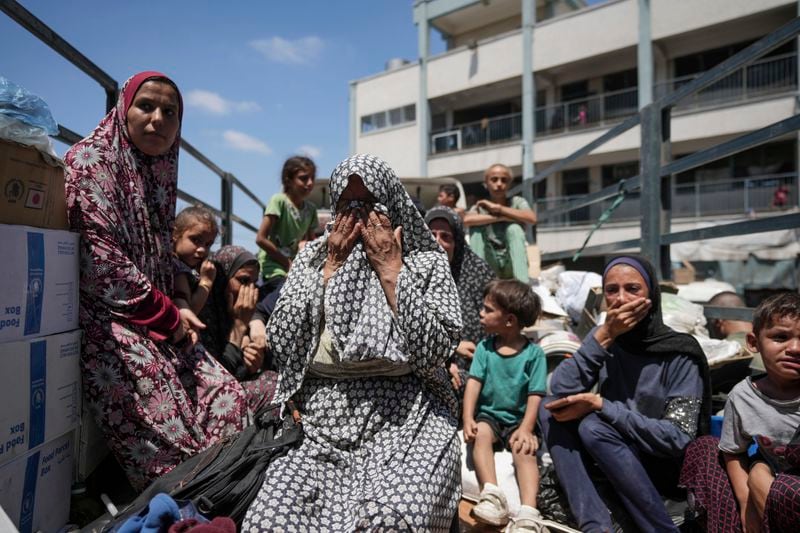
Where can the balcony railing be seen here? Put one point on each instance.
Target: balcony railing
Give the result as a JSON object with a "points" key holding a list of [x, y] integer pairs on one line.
{"points": [[481, 133], [758, 194], [773, 75], [762, 78]]}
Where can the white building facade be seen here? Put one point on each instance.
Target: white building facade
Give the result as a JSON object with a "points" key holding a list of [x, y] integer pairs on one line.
{"points": [[469, 106]]}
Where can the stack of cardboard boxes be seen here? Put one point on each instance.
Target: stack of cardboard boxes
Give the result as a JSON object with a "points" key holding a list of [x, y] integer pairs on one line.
{"points": [[40, 396]]}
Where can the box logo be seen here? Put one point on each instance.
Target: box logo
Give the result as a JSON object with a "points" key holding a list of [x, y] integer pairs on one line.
{"points": [[35, 199], [38, 373], [29, 494], [14, 190], [33, 310]]}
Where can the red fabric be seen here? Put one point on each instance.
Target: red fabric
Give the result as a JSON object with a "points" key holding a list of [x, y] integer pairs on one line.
{"points": [[133, 87], [221, 524], [157, 313], [705, 478]]}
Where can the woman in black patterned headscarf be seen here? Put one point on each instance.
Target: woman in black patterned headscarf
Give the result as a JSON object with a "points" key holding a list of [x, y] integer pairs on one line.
{"points": [[471, 274], [363, 326]]}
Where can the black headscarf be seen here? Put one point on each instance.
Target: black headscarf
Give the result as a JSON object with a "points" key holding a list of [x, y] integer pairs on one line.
{"points": [[652, 336], [228, 260]]}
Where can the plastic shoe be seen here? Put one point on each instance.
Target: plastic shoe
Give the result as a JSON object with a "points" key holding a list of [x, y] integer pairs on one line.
{"points": [[528, 520], [492, 508]]}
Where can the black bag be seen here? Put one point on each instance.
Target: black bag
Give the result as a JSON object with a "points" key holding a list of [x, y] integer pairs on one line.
{"points": [[223, 479]]}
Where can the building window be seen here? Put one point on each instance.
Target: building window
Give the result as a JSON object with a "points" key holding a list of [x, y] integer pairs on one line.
{"points": [[386, 119]]}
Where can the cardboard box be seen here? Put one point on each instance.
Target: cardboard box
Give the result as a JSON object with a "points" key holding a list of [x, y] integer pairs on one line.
{"points": [[591, 312], [39, 282], [35, 489], [91, 446], [40, 396], [31, 187]]}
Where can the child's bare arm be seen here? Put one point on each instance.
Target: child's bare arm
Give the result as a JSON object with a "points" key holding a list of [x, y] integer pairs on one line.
{"points": [[200, 295], [736, 466], [263, 241], [471, 393], [258, 332], [531, 413], [181, 293]]}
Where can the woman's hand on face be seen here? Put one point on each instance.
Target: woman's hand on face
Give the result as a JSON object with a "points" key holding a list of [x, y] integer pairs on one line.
{"points": [[575, 406], [382, 245], [253, 355], [621, 318], [244, 306], [466, 349], [346, 230]]}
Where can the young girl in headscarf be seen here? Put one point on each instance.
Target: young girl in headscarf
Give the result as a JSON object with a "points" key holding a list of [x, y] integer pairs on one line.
{"points": [[360, 334], [652, 400], [157, 397]]}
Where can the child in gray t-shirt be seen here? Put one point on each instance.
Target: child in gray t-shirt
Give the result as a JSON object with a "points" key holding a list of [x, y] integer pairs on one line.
{"points": [[766, 409], [751, 414]]}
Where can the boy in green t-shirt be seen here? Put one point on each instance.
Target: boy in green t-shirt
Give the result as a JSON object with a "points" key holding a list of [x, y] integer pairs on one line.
{"points": [[507, 381], [289, 220], [496, 225]]}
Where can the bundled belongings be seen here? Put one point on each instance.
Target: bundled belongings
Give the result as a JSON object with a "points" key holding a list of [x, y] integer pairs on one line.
{"points": [[223, 479]]}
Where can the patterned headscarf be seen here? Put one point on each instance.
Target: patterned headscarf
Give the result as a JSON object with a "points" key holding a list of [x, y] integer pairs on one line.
{"points": [[137, 193], [228, 260], [470, 272], [353, 305]]}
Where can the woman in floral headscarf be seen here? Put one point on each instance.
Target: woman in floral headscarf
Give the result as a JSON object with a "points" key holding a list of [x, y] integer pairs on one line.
{"points": [[361, 332], [158, 397]]}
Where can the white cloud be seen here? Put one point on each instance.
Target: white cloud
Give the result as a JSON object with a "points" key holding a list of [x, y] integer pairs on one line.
{"points": [[311, 151], [245, 143], [216, 104], [298, 52]]}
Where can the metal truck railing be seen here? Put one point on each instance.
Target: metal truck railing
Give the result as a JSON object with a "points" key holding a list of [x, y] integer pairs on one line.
{"points": [[228, 181], [656, 166]]}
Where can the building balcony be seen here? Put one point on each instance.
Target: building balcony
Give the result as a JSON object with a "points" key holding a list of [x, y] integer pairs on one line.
{"points": [[767, 77], [749, 195]]}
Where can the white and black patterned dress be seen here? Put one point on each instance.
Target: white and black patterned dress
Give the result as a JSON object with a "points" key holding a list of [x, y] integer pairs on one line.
{"points": [[379, 452]]}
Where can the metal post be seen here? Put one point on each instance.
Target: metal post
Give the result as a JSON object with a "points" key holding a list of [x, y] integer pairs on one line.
{"points": [[666, 196], [354, 123], [226, 206], [645, 55], [649, 170], [423, 38], [528, 111], [796, 109]]}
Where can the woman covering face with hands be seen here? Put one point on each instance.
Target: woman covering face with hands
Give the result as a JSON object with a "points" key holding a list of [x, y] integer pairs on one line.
{"points": [[228, 314], [360, 334], [653, 399]]}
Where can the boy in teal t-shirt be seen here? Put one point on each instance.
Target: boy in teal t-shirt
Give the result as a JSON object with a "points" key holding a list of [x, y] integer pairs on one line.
{"points": [[507, 381]]}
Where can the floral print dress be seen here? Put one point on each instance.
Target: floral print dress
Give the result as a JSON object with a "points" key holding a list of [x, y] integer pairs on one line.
{"points": [[156, 405]]}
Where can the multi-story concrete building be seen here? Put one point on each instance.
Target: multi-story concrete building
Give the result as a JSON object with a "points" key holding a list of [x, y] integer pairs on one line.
{"points": [[455, 113]]}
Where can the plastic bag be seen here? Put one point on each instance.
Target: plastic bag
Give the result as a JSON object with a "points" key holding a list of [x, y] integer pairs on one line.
{"points": [[25, 118], [682, 315], [573, 289]]}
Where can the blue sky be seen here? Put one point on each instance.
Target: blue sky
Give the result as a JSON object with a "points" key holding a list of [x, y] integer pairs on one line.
{"points": [[262, 80]]}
